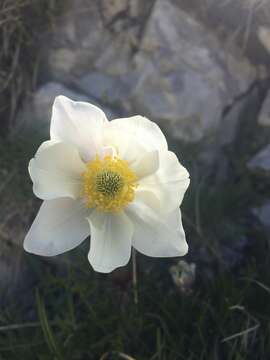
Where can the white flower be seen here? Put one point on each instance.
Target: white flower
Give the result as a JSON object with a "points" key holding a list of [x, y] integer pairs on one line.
{"points": [[116, 180]]}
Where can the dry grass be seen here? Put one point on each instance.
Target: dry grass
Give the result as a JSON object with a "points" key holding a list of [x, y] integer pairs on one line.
{"points": [[22, 24]]}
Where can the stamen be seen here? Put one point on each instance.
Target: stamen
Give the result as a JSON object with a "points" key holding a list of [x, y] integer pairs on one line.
{"points": [[109, 184]]}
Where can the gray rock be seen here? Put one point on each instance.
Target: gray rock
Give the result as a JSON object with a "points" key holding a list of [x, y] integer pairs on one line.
{"points": [[263, 34], [264, 117], [96, 35], [78, 40], [227, 134], [263, 214], [113, 90], [181, 76], [187, 78], [36, 112], [110, 9], [261, 161], [236, 23]]}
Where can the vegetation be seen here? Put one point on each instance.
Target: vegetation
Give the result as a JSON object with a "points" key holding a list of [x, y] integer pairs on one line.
{"points": [[22, 23], [82, 316], [70, 312]]}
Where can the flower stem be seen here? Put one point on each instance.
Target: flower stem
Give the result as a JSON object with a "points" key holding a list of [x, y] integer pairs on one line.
{"points": [[134, 277]]}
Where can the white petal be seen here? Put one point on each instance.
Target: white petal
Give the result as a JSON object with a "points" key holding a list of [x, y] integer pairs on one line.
{"points": [[146, 165], [157, 237], [147, 204], [125, 144], [59, 226], [56, 171], [78, 123], [146, 132], [110, 245], [169, 183]]}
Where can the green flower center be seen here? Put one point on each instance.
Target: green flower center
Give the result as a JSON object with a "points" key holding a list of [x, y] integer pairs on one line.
{"points": [[109, 183]]}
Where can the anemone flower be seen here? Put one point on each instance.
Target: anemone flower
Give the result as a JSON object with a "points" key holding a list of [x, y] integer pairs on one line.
{"points": [[114, 180]]}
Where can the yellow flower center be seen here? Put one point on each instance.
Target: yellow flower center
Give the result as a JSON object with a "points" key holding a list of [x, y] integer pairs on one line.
{"points": [[108, 184]]}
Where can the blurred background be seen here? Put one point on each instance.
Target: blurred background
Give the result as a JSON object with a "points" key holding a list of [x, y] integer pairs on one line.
{"points": [[200, 69]]}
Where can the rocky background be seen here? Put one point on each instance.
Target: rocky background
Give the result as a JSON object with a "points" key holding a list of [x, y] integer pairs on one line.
{"points": [[201, 70], [189, 66]]}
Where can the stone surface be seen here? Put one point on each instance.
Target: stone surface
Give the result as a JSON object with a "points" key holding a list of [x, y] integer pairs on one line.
{"points": [[109, 89], [79, 39], [261, 161], [230, 127], [166, 66], [187, 78], [236, 23], [263, 34], [263, 214], [112, 8], [264, 117], [94, 36]]}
